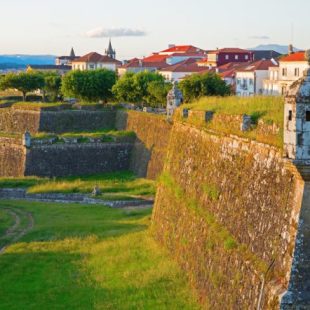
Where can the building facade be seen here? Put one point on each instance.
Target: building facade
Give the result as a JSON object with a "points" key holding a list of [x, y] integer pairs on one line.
{"points": [[94, 61], [250, 78], [226, 55], [291, 68]]}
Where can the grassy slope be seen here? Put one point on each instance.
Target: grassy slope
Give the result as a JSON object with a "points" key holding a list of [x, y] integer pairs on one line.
{"points": [[80, 257], [119, 185], [270, 109]]}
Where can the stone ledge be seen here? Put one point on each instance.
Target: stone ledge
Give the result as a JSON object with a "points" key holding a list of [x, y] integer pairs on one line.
{"points": [[21, 194]]}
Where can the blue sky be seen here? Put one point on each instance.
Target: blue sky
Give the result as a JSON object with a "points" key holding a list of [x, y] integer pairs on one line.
{"points": [[53, 26]]}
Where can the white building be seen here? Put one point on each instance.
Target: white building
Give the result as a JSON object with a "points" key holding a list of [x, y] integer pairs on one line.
{"points": [[93, 61], [180, 70], [250, 78], [66, 60], [291, 68]]}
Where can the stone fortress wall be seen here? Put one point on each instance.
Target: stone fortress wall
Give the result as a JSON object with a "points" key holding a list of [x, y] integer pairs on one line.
{"points": [[227, 208]]}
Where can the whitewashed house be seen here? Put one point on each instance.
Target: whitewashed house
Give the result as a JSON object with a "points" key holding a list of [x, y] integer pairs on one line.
{"points": [[249, 79], [291, 68]]}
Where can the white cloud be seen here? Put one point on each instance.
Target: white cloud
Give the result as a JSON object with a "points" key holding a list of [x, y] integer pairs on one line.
{"points": [[114, 32], [260, 37]]}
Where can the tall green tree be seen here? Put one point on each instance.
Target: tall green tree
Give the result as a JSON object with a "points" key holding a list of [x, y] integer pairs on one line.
{"points": [[143, 88], [25, 82], [89, 85], [199, 85]]}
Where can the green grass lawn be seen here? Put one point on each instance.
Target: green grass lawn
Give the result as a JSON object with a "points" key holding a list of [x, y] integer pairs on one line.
{"points": [[119, 185], [5, 221], [89, 257]]}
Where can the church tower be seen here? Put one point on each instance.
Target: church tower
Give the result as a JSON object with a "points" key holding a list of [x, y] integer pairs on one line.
{"points": [[72, 54], [110, 51]]}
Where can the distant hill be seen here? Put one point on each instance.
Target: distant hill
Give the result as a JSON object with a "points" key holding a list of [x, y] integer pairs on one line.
{"points": [[21, 61], [282, 49]]}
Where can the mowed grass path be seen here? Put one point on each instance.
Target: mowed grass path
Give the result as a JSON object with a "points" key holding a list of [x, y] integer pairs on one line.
{"points": [[89, 257]]}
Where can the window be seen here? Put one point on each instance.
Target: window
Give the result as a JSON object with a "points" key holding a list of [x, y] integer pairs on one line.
{"points": [[307, 116], [236, 57], [284, 71], [290, 115], [91, 66], [296, 71], [226, 57], [251, 82], [246, 57]]}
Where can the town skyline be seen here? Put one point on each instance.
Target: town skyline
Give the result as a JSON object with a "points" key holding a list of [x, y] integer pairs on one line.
{"points": [[137, 31]]}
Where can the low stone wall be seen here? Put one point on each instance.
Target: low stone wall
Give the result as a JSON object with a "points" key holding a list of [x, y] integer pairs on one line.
{"points": [[59, 160], [150, 149], [18, 121], [227, 208]]}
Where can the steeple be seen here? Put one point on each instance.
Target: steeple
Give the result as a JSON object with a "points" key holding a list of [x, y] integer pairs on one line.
{"points": [[72, 54], [110, 51]]}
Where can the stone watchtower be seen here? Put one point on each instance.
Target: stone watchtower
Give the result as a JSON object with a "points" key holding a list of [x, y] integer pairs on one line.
{"points": [[174, 100], [297, 152], [297, 123]]}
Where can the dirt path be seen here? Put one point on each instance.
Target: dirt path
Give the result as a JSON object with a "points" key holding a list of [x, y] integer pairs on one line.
{"points": [[23, 222]]}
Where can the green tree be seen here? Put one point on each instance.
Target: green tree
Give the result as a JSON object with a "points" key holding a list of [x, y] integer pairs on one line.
{"points": [[89, 85], [143, 88], [52, 85], [199, 85], [24, 82], [124, 89], [157, 93]]}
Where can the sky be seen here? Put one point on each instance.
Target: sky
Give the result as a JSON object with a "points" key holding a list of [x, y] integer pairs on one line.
{"points": [[139, 27]]}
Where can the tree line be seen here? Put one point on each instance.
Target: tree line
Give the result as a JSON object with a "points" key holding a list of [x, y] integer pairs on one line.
{"points": [[143, 88]]}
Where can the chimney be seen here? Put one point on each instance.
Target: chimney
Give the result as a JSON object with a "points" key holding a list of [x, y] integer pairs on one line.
{"points": [[290, 49], [171, 45]]}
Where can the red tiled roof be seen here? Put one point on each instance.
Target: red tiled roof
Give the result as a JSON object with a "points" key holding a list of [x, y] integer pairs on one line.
{"points": [[155, 58], [95, 57], [231, 65], [297, 56], [228, 73], [189, 65], [182, 49], [257, 65]]}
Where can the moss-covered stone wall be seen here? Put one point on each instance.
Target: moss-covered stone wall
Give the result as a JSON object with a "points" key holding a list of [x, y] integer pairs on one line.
{"points": [[227, 208], [150, 149], [18, 121], [12, 157]]}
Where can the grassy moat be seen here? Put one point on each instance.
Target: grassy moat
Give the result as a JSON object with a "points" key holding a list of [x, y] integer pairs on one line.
{"points": [[86, 257], [113, 186]]}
